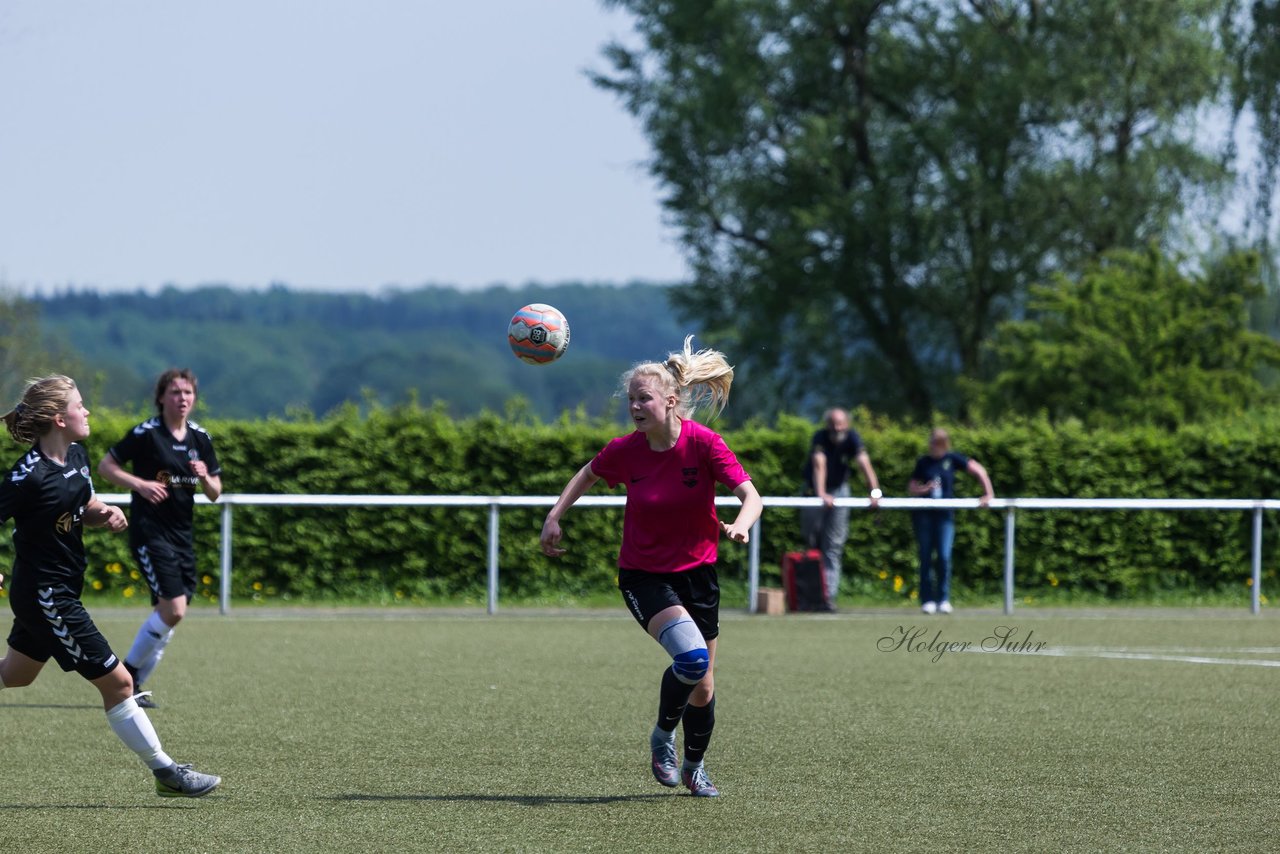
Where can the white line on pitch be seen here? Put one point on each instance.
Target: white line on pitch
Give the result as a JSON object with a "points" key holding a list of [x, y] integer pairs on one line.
{"points": [[1180, 650], [1065, 652]]}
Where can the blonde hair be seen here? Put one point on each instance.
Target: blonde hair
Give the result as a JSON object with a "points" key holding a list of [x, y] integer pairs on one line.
{"points": [[698, 380], [43, 400]]}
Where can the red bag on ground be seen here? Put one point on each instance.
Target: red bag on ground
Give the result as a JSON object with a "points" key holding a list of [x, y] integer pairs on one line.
{"points": [[803, 581]]}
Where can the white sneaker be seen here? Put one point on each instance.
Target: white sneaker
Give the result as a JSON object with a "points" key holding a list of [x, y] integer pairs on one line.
{"points": [[945, 607], [929, 607]]}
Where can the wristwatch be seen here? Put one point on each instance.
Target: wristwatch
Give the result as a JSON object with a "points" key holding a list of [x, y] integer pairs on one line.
{"points": [[876, 493]]}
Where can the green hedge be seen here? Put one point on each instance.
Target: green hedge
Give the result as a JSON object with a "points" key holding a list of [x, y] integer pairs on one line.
{"points": [[425, 554]]}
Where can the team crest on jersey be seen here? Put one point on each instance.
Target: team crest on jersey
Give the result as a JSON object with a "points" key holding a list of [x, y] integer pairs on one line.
{"points": [[690, 476], [65, 523]]}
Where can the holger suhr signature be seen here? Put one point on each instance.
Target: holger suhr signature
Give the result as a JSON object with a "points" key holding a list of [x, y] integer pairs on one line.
{"points": [[932, 643]]}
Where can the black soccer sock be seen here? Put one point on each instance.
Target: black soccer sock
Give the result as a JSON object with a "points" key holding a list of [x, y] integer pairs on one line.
{"points": [[699, 721], [672, 701]]}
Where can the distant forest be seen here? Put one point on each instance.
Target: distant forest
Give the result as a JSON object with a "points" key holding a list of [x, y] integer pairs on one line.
{"points": [[278, 352]]}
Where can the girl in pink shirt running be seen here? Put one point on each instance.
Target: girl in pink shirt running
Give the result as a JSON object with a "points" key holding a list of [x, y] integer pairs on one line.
{"points": [[666, 566]]}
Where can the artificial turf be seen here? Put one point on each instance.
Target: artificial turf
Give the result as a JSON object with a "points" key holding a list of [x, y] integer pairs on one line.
{"points": [[407, 730]]}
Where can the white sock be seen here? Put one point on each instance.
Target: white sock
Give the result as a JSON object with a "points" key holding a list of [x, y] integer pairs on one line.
{"points": [[148, 647], [133, 727], [686, 765]]}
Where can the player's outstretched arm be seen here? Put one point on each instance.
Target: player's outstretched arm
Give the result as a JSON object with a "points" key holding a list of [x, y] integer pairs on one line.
{"points": [[99, 515], [573, 490], [752, 507]]}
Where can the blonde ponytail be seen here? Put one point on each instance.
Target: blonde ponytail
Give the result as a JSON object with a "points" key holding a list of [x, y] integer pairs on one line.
{"points": [[42, 400], [700, 380]]}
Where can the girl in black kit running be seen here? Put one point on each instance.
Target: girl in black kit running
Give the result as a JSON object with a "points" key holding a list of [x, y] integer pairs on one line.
{"points": [[171, 457], [49, 496]]}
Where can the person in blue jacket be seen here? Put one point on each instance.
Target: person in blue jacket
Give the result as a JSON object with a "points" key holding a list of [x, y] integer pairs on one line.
{"points": [[935, 477]]}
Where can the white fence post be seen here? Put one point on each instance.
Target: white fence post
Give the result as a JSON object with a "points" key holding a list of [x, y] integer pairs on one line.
{"points": [[753, 568], [493, 559], [1255, 604], [224, 577], [1009, 526]]}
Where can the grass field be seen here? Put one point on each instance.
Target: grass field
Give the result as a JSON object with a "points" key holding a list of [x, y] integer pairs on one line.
{"points": [[404, 731]]}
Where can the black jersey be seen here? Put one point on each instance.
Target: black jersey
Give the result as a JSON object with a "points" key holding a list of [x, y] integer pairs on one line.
{"points": [[46, 502], [156, 455]]}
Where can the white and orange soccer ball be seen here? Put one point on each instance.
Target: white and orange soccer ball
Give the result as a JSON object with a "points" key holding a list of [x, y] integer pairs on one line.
{"points": [[538, 334]]}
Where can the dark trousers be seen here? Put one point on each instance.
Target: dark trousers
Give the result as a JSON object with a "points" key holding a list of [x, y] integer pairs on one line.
{"points": [[935, 534]]}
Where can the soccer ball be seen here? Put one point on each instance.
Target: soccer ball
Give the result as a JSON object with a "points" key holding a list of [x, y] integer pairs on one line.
{"points": [[538, 334]]}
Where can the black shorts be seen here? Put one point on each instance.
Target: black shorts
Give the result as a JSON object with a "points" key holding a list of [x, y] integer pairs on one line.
{"points": [[697, 590], [170, 571], [50, 622]]}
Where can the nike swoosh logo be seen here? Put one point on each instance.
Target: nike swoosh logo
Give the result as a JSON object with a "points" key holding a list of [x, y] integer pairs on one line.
{"points": [[638, 479]]}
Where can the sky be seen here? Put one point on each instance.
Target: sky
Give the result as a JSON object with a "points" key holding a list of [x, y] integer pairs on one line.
{"points": [[324, 145]]}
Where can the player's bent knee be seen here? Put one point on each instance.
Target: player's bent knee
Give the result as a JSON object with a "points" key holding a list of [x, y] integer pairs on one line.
{"points": [[115, 683], [172, 611], [688, 649], [690, 667]]}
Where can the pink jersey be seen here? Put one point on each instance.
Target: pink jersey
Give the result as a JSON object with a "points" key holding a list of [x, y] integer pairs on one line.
{"points": [[670, 523]]}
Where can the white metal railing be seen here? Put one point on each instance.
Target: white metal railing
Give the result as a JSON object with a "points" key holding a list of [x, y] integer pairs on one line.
{"points": [[495, 502]]}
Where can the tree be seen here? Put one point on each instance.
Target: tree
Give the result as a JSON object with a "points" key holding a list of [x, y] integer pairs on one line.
{"points": [[279, 351], [1257, 43], [23, 351], [866, 187], [1135, 340]]}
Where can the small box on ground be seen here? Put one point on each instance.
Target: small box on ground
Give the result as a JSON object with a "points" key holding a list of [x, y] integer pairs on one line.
{"points": [[770, 601]]}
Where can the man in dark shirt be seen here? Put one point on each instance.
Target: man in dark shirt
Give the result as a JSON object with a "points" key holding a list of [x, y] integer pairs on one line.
{"points": [[826, 475]]}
